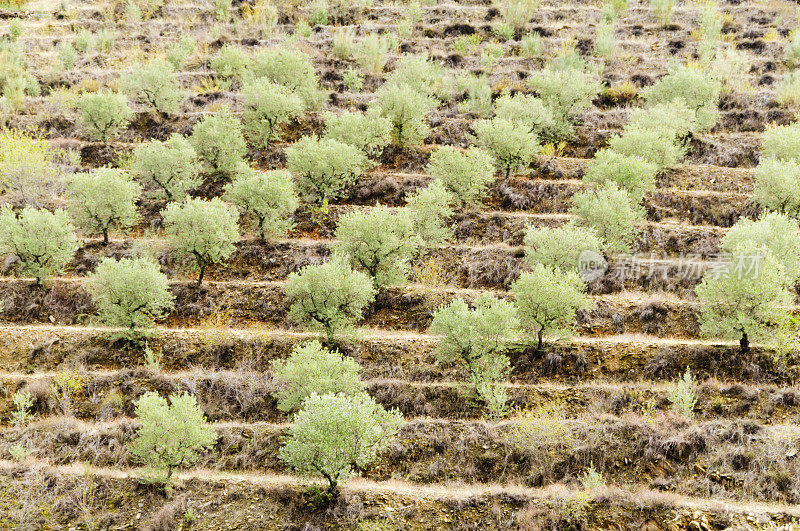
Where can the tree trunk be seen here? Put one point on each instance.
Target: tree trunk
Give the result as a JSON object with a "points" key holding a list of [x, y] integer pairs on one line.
{"points": [[744, 344], [105, 236], [540, 335], [202, 273]]}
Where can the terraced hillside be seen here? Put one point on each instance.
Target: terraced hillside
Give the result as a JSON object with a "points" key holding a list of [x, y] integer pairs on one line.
{"points": [[591, 434]]}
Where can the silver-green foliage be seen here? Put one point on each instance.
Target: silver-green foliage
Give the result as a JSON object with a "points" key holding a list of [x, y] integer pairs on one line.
{"points": [[782, 142], [658, 147], [773, 233], [171, 165], [379, 242], [310, 369], [43, 241], [335, 434], [613, 215], [103, 199], [219, 141], [130, 293], [170, 435], [325, 167], [512, 144], [268, 196], [406, 108], [370, 132], [267, 106], [330, 297], [548, 299], [465, 174], [291, 68], [203, 230], [698, 90], [566, 91], [155, 85], [777, 185], [430, 208], [104, 114], [631, 173], [682, 396], [560, 247]]}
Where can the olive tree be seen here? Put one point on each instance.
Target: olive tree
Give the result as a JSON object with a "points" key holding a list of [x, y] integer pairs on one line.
{"points": [[697, 89], [379, 242], [291, 68], [478, 337], [512, 145], [746, 299], [172, 166], [43, 242], [312, 368], [655, 145], [370, 132], [547, 300], [335, 434], [777, 185], [631, 173], [567, 91], [219, 142], [325, 167], [430, 208], [330, 296], [268, 196], [465, 174], [103, 199], [772, 232], [611, 213], [267, 106], [204, 230], [155, 85], [560, 247], [27, 167], [782, 142], [170, 435], [104, 114], [406, 108], [130, 293]]}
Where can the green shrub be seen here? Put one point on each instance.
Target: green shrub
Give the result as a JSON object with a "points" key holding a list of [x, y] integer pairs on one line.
{"points": [[430, 209], [44, 242], [745, 300], [682, 395], [203, 230], [155, 85], [561, 247], [672, 118], [352, 80], [335, 435], [103, 199], [611, 213], [329, 297], [633, 174], [178, 52], [343, 43], [698, 90], [292, 69], [422, 75], [512, 145], [268, 105], [772, 232], [379, 242], [172, 166], [782, 142], [313, 369], [67, 55], [369, 131], [406, 109], [231, 62], [372, 52], [27, 168], [104, 114], [23, 404], [130, 293], [777, 186], [219, 142], [547, 300], [516, 13], [268, 196], [566, 91], [662, 10], [325, 167], [478, 337], [531, 45], [170, 436], [604, 41], [787, 90], [478, 93], [791, 52], [658, 147], [465, 174]]}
